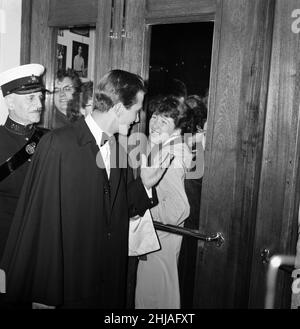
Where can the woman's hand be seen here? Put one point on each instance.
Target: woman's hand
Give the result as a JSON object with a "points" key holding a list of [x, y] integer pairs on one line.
{"points": [[151, 175]]}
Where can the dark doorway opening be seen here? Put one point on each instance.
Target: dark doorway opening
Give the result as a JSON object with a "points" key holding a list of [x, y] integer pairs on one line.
{"points": [[183, 52]]}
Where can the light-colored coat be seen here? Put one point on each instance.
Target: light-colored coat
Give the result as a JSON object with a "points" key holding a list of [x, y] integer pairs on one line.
{"points": [[157, 277]]}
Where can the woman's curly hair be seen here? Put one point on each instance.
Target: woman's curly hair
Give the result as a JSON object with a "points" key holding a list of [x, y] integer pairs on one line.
{"points": [[74, 105], [172, 107], [187, 115]]}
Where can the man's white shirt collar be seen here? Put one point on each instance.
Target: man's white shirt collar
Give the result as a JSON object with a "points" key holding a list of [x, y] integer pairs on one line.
{"points": [[94, 128], [97, 133]]}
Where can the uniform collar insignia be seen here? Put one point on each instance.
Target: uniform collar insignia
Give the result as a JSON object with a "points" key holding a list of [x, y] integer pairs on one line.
{"points": [[17, 128]]}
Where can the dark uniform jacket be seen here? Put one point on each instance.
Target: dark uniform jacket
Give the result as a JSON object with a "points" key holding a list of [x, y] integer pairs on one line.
{"points": [[13, 137], [68, 244]]}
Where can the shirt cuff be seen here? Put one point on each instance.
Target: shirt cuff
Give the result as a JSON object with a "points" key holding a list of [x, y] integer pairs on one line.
{"points": [[152, 195]]}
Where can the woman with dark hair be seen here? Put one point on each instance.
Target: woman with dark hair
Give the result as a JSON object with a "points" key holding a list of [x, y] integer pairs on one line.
{"points": [[175, 87], [157, 278], [66, 98]]}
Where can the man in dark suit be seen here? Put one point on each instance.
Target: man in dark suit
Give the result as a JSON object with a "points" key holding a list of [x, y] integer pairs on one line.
{"points": [[68, 245]]}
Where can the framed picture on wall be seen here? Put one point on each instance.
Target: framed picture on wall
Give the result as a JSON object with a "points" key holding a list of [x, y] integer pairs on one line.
{"points": [[80, 58], [61, 56]]}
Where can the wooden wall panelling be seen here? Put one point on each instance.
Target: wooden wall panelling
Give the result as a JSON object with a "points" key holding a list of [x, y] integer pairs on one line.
{"points": [[278, 195], [73, 12], [166, 10], [233, 157], [134, 51], [134, 46], [26, 31], [116, 51], [132, 59], [145, 72], [103, 40], [43, 50]]}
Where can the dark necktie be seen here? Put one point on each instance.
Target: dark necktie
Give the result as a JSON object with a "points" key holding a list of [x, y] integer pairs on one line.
{"points": [[104, 138]]}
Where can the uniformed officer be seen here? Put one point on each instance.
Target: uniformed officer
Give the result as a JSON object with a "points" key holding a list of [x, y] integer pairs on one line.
{"points": [[22, 90]]}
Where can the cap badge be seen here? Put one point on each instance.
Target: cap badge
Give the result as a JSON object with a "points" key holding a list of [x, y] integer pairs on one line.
{"points": [[33, 79]]}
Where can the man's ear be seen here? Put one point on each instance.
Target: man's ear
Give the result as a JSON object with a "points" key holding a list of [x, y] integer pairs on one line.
{"points": [[9, 99], [118, 108]]}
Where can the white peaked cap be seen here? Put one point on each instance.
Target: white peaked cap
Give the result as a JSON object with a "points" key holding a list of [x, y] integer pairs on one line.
{"points": [[22, 79]]}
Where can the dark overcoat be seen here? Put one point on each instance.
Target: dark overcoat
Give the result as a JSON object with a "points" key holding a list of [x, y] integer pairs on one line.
{"points": [[68, 243]]}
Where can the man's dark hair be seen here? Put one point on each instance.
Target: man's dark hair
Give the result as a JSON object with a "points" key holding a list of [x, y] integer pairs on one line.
{"points": [[118, 86]]}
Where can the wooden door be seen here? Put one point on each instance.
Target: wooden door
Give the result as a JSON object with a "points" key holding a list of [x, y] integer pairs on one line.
{"points": [[278, 199], [233, 161]]}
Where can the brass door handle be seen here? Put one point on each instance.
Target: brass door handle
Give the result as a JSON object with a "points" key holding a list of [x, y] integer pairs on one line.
{"points": [[218, 238], [265, 256]]}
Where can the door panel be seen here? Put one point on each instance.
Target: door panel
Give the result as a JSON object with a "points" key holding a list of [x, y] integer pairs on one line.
{"points": [[232, 162], [276, 226], [43, 49], [103, 39], [117, 39], [164, 9], [72, 12], [26, 32], [134, 47]]}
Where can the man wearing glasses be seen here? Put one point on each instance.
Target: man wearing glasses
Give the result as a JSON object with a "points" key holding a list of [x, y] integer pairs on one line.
{"points": [[66, 98]]}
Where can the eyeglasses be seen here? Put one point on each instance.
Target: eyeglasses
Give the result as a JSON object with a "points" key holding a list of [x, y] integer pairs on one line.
{"points": [[162, 120], [66, 89]]}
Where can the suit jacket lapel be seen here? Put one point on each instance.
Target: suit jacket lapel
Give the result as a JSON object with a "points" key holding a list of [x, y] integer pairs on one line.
{"points": [[115, 171], [100, 162], [114, 180]]}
